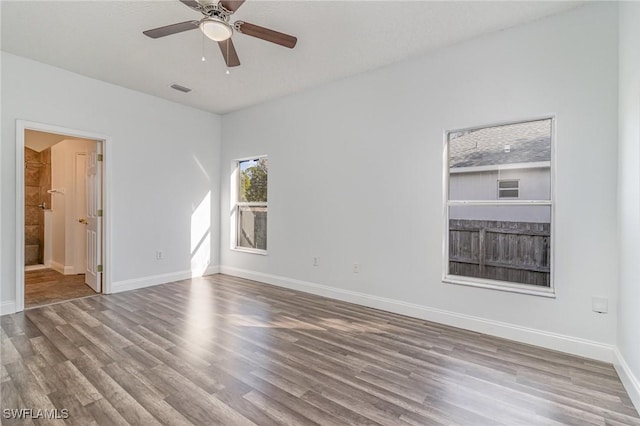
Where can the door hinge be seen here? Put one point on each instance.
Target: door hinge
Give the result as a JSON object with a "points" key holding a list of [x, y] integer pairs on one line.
{"points": [[99, 213], [100, 157], [99, 268]]}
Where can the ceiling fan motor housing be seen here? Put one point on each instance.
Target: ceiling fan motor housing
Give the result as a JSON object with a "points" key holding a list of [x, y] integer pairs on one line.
{"points": [[213, 9], [215, 25]]}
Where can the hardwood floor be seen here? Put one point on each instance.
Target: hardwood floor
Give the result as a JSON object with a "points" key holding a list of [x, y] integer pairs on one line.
{"points": [[223, 350], [46, 286]]}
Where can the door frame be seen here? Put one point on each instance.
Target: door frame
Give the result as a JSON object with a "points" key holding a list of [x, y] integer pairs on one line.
{"points": [[21, 126]]}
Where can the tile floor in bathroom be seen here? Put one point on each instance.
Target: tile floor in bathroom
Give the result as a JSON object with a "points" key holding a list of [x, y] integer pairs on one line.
{"points": [[46, 286]]}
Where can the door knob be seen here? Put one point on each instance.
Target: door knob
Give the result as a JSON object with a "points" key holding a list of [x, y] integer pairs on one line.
{"points": [[83, 221]]}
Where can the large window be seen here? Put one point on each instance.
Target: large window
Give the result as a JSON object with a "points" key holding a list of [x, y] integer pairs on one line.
{"points": [[251, 205], [500, 238]]}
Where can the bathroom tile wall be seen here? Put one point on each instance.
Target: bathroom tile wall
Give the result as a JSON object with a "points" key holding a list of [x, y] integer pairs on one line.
{"points": [[37, 183]]}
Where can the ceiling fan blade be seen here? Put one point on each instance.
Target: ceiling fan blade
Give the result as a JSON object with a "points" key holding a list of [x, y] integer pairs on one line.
{"points": [[231, 5], [193, 4], [229, 53], [171, 29], [266, 34]]}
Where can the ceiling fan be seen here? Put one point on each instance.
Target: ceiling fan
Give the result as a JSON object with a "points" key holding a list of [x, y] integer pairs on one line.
{"points": [[216, 26]]}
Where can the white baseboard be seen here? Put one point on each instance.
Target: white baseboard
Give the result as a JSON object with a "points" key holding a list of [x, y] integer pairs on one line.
{"points": [[57, 267], [63, 269], [29, 268], [555, 341], [629, 380], [136, 283], [7, 308]]}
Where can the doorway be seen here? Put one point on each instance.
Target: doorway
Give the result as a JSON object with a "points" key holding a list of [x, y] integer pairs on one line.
{"points": [[60, 200]]}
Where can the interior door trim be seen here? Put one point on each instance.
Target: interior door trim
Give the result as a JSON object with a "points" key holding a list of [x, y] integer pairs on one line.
{"points": [[21, 126]]}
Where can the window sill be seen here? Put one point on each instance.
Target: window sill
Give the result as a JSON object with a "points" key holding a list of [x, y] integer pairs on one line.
{"points": [[501, 286], [250, 250]]}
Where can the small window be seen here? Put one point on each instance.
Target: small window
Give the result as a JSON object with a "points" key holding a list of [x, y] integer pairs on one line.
{"points": [[251, 205], [500, 237], [508, 188]]}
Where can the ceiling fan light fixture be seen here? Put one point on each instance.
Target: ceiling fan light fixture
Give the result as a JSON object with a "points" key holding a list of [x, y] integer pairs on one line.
{"points": [[216, 29]]}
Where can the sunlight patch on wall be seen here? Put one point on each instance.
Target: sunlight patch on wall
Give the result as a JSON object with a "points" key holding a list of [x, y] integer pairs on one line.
{"points": [[201, 237], [201, 167]]}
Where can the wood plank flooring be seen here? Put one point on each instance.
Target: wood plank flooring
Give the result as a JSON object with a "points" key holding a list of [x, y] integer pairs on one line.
{"points": [[223, 350], [46, 286]]}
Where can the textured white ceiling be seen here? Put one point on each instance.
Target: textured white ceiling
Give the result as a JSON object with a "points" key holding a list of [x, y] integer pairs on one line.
{"points": [[104, 40]]}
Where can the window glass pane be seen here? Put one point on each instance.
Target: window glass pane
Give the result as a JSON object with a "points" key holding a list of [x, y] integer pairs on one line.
{"points": [[508, 193], [252, 227], [504, 243], [253, 180], [517, 152], [504, 184]]}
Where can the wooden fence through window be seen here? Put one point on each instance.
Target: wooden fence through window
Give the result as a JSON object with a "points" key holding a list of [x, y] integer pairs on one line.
{"points": [[506, 251]]}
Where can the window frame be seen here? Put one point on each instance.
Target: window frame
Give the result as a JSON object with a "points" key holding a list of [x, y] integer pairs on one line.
{"points": [[237, 205], [486, 283], [517, 188]]}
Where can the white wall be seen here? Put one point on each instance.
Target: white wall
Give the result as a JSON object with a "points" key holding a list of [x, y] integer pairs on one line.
{"points": [[164, 163], [629, 197], [356, 169], [64, 217]]}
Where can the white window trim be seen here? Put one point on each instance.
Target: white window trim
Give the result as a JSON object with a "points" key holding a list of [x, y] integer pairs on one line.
{"points": [[488, 283], [235, 184], [249, 250], [502, 167]]}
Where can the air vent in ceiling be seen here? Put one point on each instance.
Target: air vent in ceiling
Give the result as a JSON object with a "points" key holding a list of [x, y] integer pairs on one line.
{"points": [[180, 88]]}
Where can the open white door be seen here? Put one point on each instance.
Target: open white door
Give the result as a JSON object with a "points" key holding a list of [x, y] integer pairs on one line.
{"points": [[80, 230], [93, 276]]}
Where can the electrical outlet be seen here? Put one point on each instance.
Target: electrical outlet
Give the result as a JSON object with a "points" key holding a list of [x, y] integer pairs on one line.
{"points": [[356, 268], [316, 261], [159, 255]]}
